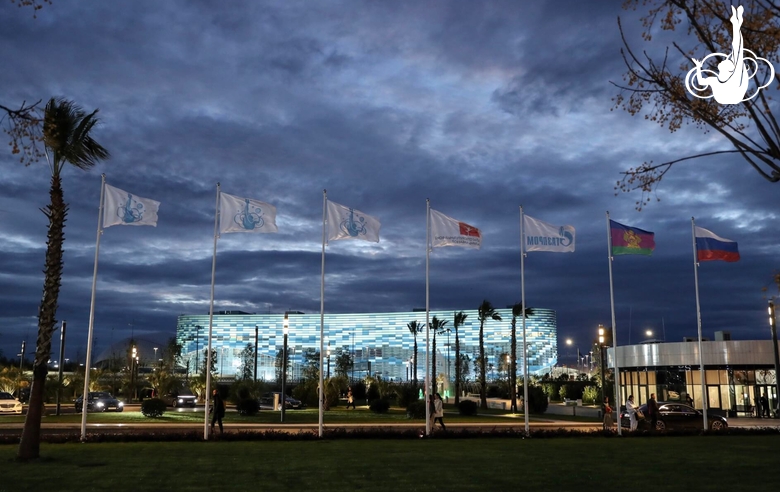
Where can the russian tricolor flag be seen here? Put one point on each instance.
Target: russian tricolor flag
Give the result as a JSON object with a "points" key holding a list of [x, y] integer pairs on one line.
{"points": [[710, 246]]}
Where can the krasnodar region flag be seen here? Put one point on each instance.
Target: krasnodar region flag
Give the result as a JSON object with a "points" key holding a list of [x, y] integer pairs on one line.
{"points": [[123, 208], [238, 214], [541, 236], [446, 231], [710, 246], [630, 240], [348, 223]]}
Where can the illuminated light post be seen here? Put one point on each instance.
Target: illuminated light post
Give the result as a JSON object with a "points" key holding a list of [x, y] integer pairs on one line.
{"points": [[155, 357], [59, 372], [133, 371], [283, 399], [602, 343]]}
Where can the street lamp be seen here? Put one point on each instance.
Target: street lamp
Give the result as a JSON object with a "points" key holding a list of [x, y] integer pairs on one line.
{"points": [[285, 330], [155, 355], [328, 363], [133, 369], [197, 337], [602, 343]]}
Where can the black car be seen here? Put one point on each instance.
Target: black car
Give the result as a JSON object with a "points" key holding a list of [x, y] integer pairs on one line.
{"points": [[267, 402], [676, 415], [180, 398], [100, 401]]}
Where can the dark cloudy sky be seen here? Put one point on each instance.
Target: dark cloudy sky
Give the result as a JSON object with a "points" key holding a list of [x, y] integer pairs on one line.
{"points": [[480, 106]]}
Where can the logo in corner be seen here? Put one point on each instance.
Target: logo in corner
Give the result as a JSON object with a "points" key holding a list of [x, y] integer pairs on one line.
{"points": [[735, 71]]}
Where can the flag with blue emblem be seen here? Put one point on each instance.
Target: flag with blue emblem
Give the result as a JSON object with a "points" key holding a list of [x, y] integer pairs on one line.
{"points": [[238, 214], [123, 208]]}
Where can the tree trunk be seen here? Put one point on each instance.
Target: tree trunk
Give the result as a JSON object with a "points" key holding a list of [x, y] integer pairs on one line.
{"points": [[29, 446], [513, 368], [482, 367], [457, 369], [414, 366]]}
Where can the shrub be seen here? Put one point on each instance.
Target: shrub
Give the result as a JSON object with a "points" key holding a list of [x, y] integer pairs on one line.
{"points": [[307, 392], [407, 393], [563, 392], [373, 393], [153, 408], [359, 390], [416, 410], [590, 395], [573, 390], [467, 407], [379, 405], [247, 407], [537, 400]]}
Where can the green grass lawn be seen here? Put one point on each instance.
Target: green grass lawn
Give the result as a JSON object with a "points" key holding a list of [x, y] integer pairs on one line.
{"points": [[701, 463]]}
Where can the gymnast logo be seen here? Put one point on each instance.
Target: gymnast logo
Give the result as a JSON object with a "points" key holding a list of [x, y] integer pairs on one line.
{"points": [[730, 84]]}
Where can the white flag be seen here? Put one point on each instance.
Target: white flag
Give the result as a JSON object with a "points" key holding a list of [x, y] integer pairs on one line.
{"points": [[348, 223], [238, 214], [541, 236], [123, 208], [446, 231]]}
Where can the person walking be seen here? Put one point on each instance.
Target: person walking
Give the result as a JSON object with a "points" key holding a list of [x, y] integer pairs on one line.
{"points": [[631, 409], [438, 413], [607, 414], [652, 412], [350, 398], [764, 412], [218, 410]]}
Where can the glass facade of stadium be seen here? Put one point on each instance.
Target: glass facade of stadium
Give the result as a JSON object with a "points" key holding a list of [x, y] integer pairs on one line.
{"points": [[379, 342]]}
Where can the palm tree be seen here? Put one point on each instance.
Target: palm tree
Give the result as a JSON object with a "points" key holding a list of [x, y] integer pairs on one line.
{"points": [[437, 325], [486, 311], [517, 310], [67, 139], [460, 318], [414, 328]]}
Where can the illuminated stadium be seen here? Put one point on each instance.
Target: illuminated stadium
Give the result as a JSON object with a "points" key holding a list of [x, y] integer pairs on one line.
{"points": [[380, 343]]}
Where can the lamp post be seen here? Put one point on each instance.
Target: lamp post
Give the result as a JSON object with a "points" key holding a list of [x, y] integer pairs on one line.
{"points": [[283, 399], [21, 356], [59, 373], [773, 327], [328, 363], [155, 356], [197, 337], [602, 342], [133, 374]]}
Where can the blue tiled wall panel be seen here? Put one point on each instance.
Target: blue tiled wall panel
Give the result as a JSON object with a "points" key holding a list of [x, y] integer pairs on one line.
{"points": [[379, 338]]}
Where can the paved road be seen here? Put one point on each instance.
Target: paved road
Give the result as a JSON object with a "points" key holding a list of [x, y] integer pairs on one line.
{"points": [[508, 423]]}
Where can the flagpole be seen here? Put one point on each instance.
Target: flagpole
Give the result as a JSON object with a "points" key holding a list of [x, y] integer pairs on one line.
{"points": [[698, 321], [522, 302], [614, 329], [85, 394], [322, 308], [207, 361], [427, 314]]}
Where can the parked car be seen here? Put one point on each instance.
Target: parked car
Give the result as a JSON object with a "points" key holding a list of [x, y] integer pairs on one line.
{"points": [[180, 398], [9, 404], [676, 415], [267, 402], [100, 401]]}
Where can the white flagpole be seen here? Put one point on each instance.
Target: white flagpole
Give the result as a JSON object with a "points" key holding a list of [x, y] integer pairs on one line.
{"points": [[614, 329], [207, 362], [322, 308], [427, 314], [698, 321], [85, 394], [522, 301]]}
